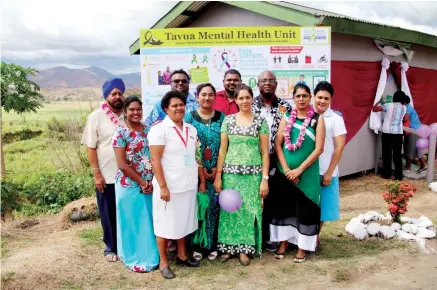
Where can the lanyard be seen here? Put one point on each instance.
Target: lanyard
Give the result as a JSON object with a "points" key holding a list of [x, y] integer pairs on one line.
{"points": [[182, 138]]}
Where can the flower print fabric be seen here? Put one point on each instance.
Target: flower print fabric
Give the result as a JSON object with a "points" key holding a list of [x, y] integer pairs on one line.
{"points": [[137, 154]]}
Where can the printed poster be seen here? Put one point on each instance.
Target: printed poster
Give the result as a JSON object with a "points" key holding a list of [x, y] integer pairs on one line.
{"points": [[294, 54]]}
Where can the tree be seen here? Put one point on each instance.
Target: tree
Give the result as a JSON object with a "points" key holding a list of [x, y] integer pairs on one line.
{"points": [[18, 94]]}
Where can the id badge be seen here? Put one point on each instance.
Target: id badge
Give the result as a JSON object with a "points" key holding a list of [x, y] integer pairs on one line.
{"points": [[188, 160], [207, 154]]}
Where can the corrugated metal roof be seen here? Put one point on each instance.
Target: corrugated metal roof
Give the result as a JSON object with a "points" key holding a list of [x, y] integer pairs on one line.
{"points": [[197, 6], [323, 13]]}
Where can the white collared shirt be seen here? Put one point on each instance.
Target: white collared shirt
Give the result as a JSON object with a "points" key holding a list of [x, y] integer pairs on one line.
{"points": [[179, 176], [98, 133], [334, 125]]}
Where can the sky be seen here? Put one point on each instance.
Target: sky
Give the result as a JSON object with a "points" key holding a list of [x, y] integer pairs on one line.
{"points": [[82, 33]]}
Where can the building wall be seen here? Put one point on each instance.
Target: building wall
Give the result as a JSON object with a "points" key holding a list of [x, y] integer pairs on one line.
{"points": [[360, 151]]}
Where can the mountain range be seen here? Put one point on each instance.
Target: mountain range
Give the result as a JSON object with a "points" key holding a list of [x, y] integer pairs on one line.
{"points": [[91, 77]]}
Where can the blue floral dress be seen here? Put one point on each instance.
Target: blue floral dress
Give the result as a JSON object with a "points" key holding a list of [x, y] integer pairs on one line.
{"points": [[136, 242]]}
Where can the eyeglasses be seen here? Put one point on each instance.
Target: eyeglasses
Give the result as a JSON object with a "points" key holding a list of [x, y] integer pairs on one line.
{"points": [[267, 81], [180, 81], [117, 93], [303, 96]]}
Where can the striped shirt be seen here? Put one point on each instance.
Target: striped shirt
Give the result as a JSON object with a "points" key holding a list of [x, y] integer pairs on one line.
{"points": [[394, 114]]}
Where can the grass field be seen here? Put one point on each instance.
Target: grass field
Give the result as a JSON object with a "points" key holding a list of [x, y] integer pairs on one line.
{"points": [[29, 147]]}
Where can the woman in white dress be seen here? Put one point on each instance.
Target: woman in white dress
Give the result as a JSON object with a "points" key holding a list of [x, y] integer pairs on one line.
{"points": [[172, 148]]}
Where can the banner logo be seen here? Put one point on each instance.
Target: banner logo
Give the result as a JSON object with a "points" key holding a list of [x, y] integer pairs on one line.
{"points": [[315, 35], [149, 39]]}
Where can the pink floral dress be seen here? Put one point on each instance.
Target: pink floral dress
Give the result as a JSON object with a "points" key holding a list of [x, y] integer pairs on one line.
{"points": [[137, 154]]}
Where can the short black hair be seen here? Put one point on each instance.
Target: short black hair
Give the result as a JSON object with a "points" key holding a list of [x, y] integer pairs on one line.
{"points": [[129, 100], [301, 86], [407, 100], [324, 86], [399, 97], [205, 85], [301, 76], [180, 71], [243, 87], [165, 102], [232, 72]]}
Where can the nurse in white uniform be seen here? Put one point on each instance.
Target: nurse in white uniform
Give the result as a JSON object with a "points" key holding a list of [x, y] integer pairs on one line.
{"points": [[335, 140], [172, 144]]}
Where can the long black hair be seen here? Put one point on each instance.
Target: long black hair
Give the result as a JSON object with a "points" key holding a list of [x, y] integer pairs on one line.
{"points": [[301, 86]]}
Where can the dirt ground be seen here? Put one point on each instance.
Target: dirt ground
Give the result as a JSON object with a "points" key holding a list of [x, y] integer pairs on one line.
{"points": [[39, 256]]}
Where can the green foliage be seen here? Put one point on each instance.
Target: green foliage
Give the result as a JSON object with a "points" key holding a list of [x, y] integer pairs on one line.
{"points": [[52, 191], [18, 93], [9, 195]]}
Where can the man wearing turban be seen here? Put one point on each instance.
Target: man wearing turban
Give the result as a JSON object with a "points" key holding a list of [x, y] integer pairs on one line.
{"points": [[97, 136]]}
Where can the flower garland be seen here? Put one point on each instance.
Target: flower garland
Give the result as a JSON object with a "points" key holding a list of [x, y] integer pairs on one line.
{"points": [[289, 126], [111, 115]]}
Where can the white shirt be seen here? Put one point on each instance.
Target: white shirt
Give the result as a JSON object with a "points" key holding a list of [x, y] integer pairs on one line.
{"points": [[180, 177], [334, 125], [98, 133], [267, 114]]}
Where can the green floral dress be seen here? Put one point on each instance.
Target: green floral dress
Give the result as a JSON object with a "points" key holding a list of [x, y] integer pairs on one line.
{"points": [[240, 231]]}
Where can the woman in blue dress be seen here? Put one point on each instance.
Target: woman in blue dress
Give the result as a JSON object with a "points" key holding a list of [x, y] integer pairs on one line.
{"points": [[136, 242], [208, 122]]}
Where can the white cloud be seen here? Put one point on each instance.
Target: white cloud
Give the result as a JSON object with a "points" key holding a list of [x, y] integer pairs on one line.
{"points": [[413, 15], [99, 32], [63, 31]]}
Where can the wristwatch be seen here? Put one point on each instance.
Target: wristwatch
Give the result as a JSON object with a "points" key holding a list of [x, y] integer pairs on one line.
{"points": [[266, 177]]}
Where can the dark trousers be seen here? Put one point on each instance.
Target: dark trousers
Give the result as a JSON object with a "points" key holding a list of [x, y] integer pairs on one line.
{"points": [[392, 146], [106, 204], [265, 217]]}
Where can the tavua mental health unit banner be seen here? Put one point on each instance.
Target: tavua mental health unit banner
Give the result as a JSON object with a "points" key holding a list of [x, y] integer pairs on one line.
{"points": [[294, 54]]}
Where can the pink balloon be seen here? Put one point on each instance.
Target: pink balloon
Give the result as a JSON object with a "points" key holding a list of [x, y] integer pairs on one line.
{"points": [[433, 128], [230, 200], [422, 143], [423, 131]]}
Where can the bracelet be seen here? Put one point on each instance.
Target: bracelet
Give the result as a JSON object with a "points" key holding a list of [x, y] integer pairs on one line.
{"points": [[95, 169], [286, 170], [219, 171]]}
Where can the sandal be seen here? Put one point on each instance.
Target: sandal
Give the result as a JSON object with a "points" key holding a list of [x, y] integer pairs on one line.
{"points": [[224, 258], [279, 256], [111, 257], [197, 256], [212, 256], [299, 260], [244, 262]]}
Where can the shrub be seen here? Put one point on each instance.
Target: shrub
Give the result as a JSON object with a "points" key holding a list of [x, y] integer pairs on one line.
{"points": [[52, 191], [9, 195]]}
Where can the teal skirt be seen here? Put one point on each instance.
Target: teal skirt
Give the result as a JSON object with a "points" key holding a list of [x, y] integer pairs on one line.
{"points": [[330, 201], [136, 241]]}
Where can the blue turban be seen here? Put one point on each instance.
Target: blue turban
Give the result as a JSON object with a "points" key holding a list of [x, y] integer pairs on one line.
{"points": [[109, 85]]}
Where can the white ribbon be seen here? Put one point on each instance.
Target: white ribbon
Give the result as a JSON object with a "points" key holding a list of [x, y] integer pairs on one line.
{"points": [[404, 82], [308, 132], [375, 122]]}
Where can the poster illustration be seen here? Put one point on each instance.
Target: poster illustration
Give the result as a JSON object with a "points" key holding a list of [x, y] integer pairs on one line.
{"points": [[294, 54]]}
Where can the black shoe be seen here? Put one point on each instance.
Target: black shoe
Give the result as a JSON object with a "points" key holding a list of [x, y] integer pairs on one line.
{"points": [[167, 273], [187, 262]]}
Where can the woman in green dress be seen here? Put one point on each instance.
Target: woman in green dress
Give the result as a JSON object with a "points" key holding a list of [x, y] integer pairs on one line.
{"points": [[208, 123], [294, 203], [243, 165]]}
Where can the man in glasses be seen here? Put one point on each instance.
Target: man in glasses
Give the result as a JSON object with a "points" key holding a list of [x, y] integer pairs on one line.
{"points": [[271, 108], [97, 136], [179, 82], [225, 100]]}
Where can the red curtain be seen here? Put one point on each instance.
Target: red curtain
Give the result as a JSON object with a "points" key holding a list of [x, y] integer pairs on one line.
{"points": [[355, 84], [423, 87]]}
